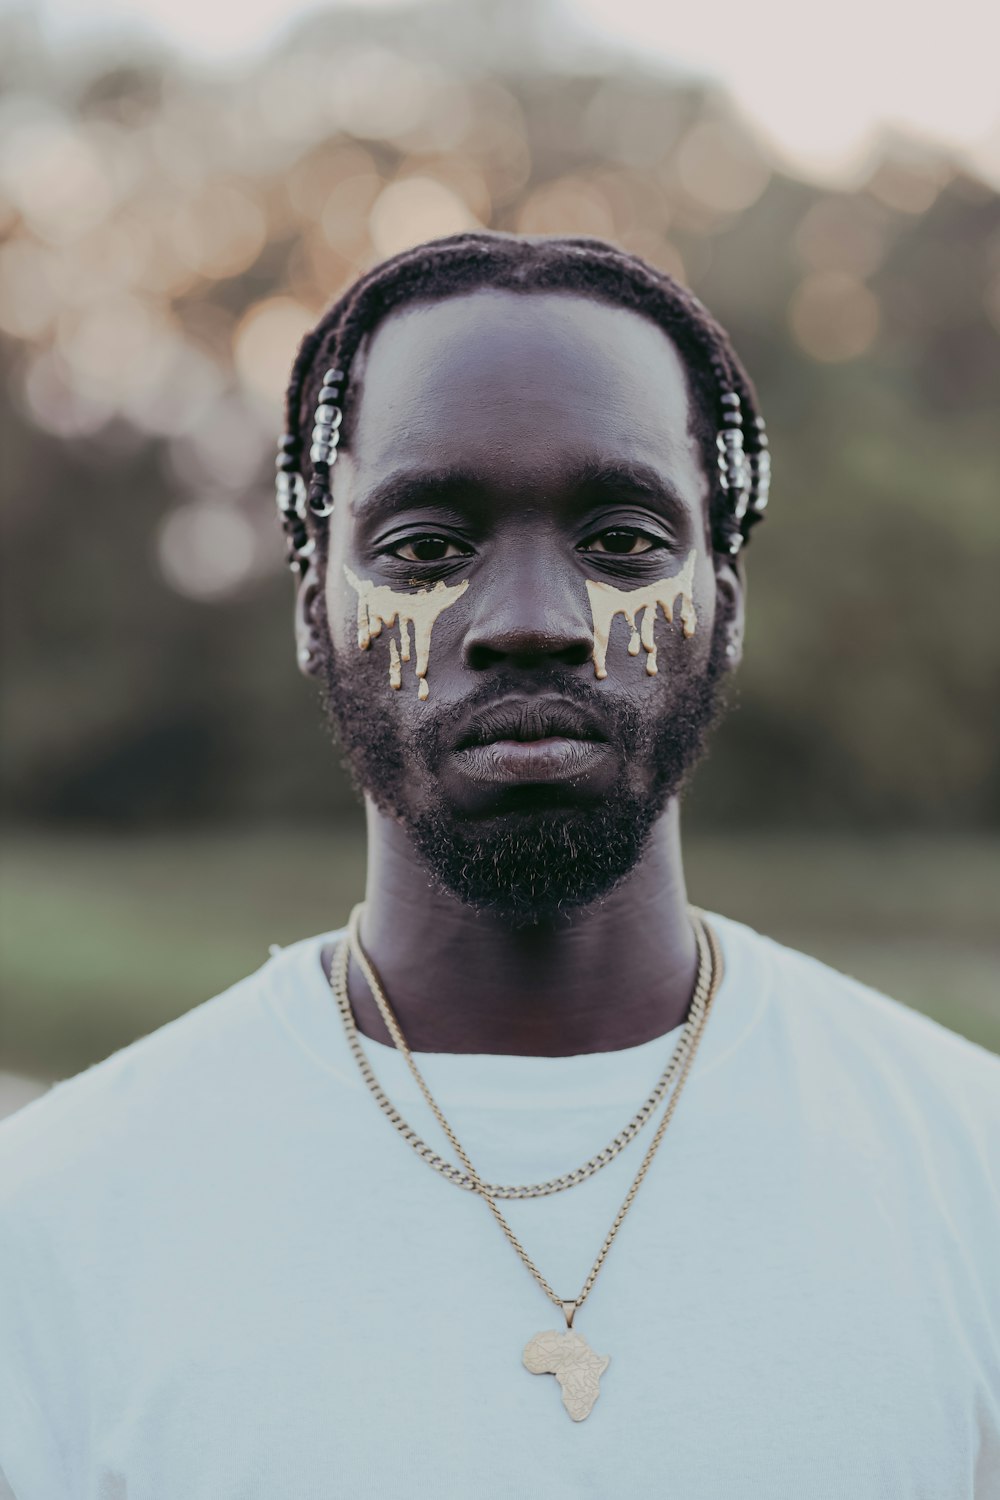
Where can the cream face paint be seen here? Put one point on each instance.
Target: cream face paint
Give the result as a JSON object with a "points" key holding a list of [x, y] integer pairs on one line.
{"points": [[606, 601], [379, 605]]}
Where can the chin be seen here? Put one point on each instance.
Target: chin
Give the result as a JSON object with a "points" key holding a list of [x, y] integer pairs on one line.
{"points": [[533, 866]]}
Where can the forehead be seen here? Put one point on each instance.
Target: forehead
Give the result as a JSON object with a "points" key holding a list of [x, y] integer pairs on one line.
{"points": [[522, 385]]}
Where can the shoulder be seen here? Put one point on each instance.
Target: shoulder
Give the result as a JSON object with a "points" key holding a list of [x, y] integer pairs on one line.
{"points": [[854, 1037], [128, 1106]]}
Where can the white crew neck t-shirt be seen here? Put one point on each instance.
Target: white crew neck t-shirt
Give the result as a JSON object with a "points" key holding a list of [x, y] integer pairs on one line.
{"points": [[224, 1275]]}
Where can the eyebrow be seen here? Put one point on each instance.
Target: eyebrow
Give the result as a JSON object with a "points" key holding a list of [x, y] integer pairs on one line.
{"points": [[621, 478], [602, 479], [411, 487]]}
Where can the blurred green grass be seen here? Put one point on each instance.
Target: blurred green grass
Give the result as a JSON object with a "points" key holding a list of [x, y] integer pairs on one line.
{"points": [[103, 939]]}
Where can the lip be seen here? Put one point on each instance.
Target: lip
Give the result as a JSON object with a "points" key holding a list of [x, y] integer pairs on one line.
{"points": [[531, 741], [553, 758], [530, 721]]}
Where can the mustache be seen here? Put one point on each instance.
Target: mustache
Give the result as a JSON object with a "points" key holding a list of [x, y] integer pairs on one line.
{"points": [[619, 723]]}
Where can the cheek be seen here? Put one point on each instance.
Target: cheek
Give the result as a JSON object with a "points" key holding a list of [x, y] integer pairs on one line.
{"points": [[666, 614], [705, 601], [342, 619], [399, 622]]}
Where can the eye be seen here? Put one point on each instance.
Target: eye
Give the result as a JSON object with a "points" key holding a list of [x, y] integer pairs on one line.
{"points": [[623, 541], [428, 549]]}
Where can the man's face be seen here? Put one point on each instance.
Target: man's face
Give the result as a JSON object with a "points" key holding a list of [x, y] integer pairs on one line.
{"points": [[506, 451]]}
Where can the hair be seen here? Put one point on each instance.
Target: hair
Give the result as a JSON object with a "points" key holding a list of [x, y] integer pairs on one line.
{"points": [[722, 395]]}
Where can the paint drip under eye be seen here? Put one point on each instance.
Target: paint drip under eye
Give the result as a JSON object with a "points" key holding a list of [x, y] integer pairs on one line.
{"points": [[606, 601], [379, 605]]}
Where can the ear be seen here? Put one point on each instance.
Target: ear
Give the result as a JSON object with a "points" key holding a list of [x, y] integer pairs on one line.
{"points": [[308, 590], [730, 591]]}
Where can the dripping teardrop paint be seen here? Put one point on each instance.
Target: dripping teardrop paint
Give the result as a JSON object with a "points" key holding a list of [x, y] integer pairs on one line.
{"points": [[379, 605], [606, 601]]}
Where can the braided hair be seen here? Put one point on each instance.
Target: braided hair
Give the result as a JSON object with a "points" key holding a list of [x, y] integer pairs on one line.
{"points": [[725, 418]]}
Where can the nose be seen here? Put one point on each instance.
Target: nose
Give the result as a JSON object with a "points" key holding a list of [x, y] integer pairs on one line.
{"points": [[532, 612]]}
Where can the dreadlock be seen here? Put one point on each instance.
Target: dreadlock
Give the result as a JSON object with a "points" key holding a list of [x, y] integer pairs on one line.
{"points": [[725, 416]]}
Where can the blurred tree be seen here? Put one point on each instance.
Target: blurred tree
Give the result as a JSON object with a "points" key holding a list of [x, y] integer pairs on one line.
{"points": [[167, 236]]}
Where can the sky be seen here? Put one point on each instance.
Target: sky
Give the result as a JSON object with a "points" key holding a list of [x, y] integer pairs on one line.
{"points": [[817, 82]]}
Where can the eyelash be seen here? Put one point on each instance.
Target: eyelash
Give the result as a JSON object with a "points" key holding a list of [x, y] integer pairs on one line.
{"points": [[428, 536], [459, 551], [635, 532]]}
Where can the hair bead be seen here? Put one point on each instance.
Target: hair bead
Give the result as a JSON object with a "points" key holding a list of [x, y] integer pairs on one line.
{"points": [[467, 261], [290, 492], [736, 473], [320, 501], [325, 439]]}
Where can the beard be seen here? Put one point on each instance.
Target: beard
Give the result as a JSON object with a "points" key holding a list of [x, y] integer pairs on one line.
{"points": [[547, 855]]}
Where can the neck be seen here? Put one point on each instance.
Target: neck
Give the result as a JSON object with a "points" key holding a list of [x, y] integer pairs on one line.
{"points": [[616, 975]]}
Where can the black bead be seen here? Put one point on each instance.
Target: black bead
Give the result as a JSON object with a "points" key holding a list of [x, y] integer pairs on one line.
{"points": [[320, 504], [288, 444]]}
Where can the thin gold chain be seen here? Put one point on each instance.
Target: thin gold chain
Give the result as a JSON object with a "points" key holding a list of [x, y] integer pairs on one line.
{"points": [[710, 954], [338, 983]]}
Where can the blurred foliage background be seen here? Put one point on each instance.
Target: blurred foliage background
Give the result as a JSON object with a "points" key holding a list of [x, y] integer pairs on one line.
{"points": [[167, 233]]}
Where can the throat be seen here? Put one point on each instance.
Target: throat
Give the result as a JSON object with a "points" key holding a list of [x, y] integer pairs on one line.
{"points": [[613, 976]]}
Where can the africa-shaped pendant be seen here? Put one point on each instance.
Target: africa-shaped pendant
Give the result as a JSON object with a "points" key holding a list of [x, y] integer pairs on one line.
{"points": [[571, 1360]]}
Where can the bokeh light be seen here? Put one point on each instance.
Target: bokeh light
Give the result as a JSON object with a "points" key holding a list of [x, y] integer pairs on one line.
{"points": [[571, 205], [834, 316], [219, 232], [719, 166], [205, 549], [168, 234], [845, 232], [415, 209], [267, 336], [169, 230]]}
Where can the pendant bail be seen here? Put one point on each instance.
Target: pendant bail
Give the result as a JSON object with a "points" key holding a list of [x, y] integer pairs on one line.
{"points": [[569, 1308]]}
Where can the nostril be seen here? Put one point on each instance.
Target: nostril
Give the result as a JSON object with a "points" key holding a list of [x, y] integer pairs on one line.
{"points": [[576, 655], [527, 630], [481, 657], [526, 649]]}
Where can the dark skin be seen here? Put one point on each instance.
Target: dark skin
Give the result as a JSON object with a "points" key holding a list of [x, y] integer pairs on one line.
{"points": [[525, 398]]}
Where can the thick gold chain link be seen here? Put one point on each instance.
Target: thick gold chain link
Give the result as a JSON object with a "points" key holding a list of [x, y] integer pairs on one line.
{"points": [[709, 977], [351, 947]]}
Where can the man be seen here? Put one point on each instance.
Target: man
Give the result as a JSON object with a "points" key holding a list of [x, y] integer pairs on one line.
{"points": [[256, 1255]]}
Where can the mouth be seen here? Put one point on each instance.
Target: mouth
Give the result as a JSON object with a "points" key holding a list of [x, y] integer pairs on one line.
{"points": [[527, 721], [531, 740]]}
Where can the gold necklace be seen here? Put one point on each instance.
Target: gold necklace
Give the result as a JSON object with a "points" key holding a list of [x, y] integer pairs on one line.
{"points": [[338, 983], [567, 1355]]}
